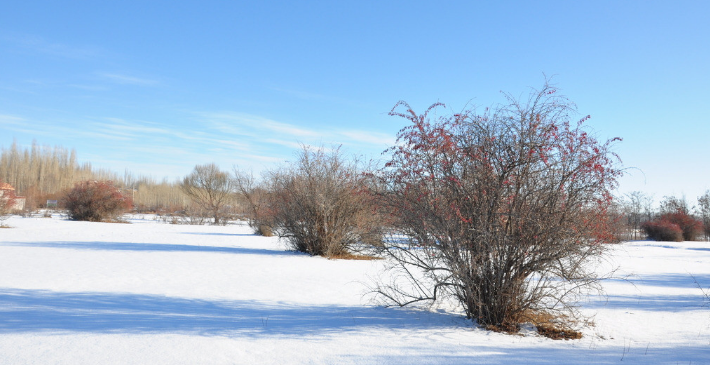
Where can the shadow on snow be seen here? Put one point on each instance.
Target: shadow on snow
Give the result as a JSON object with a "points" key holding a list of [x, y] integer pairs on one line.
{"points": [[663, 303], [674, 280], [221, 234], [636, 299], [38, 311], [47, 311], [132, 246]]}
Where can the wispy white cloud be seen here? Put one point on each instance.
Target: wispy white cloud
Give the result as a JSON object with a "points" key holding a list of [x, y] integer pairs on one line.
{"points": [[276, 141], [128, 79], [104, 136], [289, 135], [289, 144], [235, 122], [304, 95], [123, 126], [88, 87], [41, 45], [316, 97], [226, 138], [11, 123], [11, 120]]}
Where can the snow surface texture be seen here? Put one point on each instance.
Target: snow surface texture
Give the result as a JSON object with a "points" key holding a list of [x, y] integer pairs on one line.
{"points": [[154, 293]]}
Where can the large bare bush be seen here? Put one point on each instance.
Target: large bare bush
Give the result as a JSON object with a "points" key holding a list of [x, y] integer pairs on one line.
{"points": [[501, 211], [320, 205], [211, 189]]}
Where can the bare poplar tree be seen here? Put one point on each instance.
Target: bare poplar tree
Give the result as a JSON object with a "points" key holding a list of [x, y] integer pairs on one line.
{"points": [[704, 210], [501, 211], [638, 205], [673, 204], [210, 188]]}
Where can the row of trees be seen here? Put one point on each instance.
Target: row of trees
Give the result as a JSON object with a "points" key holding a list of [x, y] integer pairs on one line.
{"points": [[40, 173]]}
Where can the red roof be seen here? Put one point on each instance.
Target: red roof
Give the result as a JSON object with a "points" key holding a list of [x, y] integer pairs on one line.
{"points": [[6, 186]]}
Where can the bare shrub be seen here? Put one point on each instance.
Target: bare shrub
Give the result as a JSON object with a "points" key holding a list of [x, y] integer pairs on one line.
{"points": [[502, 211], [211, 189], [190, 216], [256, 199], [95, 201], [320, 205]]}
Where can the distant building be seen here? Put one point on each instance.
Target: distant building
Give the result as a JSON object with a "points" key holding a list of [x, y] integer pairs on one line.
{"points": [[6, 190]]}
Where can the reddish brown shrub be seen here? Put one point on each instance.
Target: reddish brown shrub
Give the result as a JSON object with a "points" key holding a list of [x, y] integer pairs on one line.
{"points": [[677, 226], [662, 230], [690, 226], [96, 201]]}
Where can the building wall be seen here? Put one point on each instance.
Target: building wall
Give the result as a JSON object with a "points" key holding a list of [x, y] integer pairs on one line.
{"points": [[19, 200]]}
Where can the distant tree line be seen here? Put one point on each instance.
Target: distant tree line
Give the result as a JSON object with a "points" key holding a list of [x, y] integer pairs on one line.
{"points": [[41, 173]]}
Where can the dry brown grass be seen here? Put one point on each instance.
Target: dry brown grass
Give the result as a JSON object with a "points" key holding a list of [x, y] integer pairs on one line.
{"points": [[551, 326], [264, 230], [547, 325], [558, 333], [350, 256], [505, 328]]}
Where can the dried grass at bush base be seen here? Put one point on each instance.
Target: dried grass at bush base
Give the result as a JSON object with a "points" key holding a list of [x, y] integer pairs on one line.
{"points": [[547, 325], [263, 230], [118, 220], [350, 256]]}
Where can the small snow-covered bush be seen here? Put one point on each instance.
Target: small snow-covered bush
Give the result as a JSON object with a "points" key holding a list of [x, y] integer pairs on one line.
{"points": [[95, 201]]}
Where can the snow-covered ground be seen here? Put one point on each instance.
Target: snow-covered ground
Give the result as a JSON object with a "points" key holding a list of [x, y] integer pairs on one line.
{"points": [[154, 293]]}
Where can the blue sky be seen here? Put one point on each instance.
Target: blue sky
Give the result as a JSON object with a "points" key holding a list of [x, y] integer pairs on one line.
{"points": [[158, 87]]}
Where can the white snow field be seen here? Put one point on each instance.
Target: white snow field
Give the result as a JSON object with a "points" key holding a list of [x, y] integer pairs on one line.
{"points": [[154, 293]]}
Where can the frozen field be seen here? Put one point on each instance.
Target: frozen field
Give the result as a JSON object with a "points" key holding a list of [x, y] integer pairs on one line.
{"points": [[154, 293]]}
